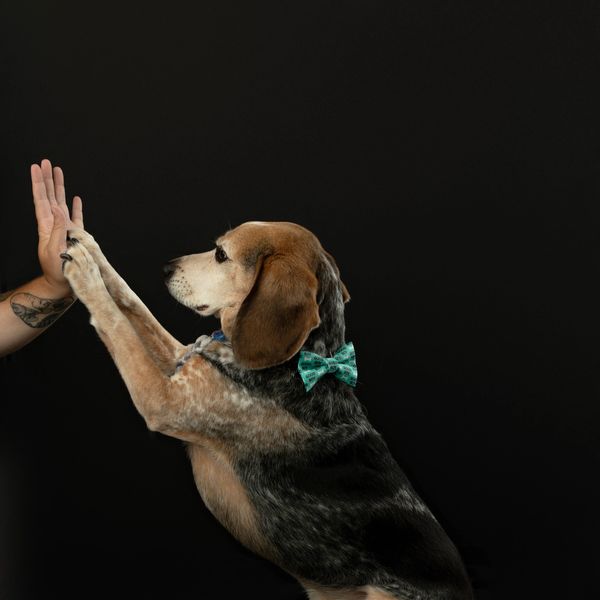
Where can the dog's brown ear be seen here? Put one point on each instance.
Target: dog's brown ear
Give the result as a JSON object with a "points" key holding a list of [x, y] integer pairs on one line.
{"points": [[277, 315], [345, 293]]}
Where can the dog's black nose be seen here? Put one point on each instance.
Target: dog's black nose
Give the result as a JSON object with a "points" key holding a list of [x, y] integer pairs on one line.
{"points": [[170, 268]]}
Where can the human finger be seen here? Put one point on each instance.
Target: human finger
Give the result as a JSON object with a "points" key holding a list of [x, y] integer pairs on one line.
{"points": [[48, 180], [59, 190], [77, 212], [43, 213], [59, 186], [58, 238]]}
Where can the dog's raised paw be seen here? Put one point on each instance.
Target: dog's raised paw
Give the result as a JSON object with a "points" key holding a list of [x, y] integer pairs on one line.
{"points": [[81, 271]]}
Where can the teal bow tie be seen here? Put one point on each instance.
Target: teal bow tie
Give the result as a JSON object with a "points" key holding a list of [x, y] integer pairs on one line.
{"points": [[342, 364]]}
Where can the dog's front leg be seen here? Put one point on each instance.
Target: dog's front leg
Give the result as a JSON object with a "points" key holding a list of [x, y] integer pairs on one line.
{"points": [[164, 348], [193, 404], [146, 382]]}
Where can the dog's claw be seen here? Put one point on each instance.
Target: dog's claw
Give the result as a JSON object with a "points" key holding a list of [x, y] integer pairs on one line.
{"points": [[66, 257], [71, 241]]}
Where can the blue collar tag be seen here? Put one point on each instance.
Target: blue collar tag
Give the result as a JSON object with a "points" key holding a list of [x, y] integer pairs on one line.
{"points": [[218, 335]]}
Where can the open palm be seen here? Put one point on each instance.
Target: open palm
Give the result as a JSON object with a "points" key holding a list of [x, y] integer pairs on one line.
{"points": [[53, 219]]}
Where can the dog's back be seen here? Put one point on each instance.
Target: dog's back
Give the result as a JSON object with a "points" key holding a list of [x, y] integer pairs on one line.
{"points": [[338, 510]]}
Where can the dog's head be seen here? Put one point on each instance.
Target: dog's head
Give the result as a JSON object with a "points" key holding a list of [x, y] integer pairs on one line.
{"points": [[263, 281]]}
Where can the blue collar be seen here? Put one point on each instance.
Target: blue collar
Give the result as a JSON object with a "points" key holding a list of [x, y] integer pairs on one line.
{"points": [[198, 345]]}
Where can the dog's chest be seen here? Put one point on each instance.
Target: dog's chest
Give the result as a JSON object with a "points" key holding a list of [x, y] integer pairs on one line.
{"points": [[224, 495]]}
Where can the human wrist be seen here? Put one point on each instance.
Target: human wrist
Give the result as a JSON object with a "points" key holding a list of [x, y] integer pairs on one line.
{"points": [[55, 289]]}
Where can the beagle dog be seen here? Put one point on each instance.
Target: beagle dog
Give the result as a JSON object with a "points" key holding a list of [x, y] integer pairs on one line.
{"points": [[299, 477]]}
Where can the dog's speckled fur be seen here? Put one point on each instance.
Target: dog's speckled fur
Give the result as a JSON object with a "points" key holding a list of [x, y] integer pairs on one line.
{"points": [[301, 478]]}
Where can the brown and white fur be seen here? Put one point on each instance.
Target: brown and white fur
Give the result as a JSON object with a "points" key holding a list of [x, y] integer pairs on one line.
{"points": [[251, 429]]}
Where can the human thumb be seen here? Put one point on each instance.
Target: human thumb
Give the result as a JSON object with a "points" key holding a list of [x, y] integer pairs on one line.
{"points": [[57, 242]]}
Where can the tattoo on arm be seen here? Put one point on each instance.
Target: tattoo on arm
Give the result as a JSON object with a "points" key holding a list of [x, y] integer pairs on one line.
{"points": [[38, 312]]}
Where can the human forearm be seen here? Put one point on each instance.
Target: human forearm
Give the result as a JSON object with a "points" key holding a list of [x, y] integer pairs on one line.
{"points": [[29, 310]]}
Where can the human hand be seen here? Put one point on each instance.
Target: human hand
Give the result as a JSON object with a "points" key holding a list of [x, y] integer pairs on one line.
{"points": [[53, 221]]}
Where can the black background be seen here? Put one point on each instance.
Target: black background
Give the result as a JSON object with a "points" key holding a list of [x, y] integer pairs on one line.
{"points": [[446, 153]]}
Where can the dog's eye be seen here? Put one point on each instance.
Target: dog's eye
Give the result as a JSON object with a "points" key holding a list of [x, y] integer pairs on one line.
{"points": [[220, 255]]}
